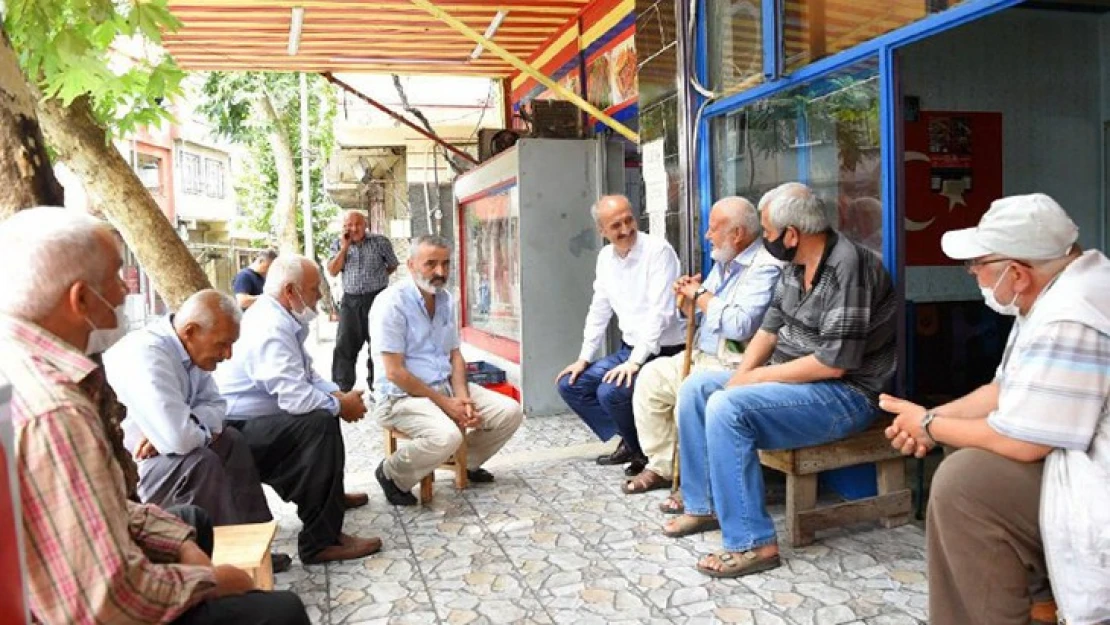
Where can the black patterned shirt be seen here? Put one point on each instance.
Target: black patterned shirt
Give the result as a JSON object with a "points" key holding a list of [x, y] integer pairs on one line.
{"points": [[366, 268], [848, 320]]}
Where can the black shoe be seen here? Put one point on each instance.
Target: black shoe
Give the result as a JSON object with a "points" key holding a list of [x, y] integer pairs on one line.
{"points": [[280, 562], [637, 465], [395, 495], [620, 455], [479, 476]]}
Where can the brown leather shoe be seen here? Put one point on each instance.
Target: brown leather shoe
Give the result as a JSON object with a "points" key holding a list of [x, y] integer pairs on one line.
{"points": [[349, 548], [355, 500]]}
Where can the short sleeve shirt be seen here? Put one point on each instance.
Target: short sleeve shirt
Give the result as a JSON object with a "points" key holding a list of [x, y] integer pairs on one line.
{"points": [[366, 269], [847, 320], [248, 282]]}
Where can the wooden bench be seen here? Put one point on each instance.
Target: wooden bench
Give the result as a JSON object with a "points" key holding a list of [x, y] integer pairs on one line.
{"points": [[246, 547], [891, 506], [456, 463]]}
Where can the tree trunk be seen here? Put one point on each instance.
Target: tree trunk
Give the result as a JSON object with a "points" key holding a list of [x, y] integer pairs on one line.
{"points": [[83, 145], [26, 176], [285, 210]]}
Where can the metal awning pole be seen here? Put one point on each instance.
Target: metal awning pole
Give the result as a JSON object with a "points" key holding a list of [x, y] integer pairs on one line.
{"points": [[539, 76], [383, 108]]}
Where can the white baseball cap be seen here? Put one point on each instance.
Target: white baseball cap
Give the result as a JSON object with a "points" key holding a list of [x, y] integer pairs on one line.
{"points": [[1023, 227]]}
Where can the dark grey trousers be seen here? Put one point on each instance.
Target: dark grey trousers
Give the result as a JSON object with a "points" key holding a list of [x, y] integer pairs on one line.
{"points": [[302, 458]]}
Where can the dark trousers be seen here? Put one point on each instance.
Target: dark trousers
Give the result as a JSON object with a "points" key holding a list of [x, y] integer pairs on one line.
{"points": [[268, 608], [607, 408], [302, 458], [353, 333]]}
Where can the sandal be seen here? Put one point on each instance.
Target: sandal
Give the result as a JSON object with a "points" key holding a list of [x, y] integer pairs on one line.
{"points": [[688, 524], [739, 564], [672, 504], [645, 481]]}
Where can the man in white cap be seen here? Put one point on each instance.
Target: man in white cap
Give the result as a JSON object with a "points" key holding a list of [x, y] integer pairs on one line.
{"points": [[1028, 494]]}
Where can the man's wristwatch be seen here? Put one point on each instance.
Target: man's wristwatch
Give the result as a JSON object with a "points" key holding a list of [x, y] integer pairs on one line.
{"points": [[701, 291], [926, 421]]}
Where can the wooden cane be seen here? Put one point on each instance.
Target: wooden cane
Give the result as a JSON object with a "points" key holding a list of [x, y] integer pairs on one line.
{"points": [[687, 357]]}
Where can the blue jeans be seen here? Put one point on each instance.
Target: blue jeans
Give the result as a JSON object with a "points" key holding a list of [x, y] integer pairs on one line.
{"points": [[720, 431], [604, 407]]}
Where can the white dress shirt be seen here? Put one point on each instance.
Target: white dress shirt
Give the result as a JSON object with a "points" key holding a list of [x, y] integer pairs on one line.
{"points": [[170, 401], [639, 289], [270, 372]]}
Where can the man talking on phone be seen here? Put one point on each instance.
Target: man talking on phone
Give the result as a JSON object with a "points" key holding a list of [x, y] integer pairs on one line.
{"points": [[366, 261]]}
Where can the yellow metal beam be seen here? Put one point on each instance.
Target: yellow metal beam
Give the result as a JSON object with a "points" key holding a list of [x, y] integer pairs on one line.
{"points": [[509, 58]]}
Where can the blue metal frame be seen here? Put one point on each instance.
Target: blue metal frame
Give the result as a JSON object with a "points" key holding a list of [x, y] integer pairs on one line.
{"points": [[882, 47]]}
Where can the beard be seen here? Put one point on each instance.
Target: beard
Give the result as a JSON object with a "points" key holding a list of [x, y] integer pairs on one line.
{"points": [[429, 285], [723, 254]]}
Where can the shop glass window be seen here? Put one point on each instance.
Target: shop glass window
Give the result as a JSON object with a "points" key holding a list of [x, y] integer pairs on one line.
{"points": [[824, 133], [814, 29], [491, 266], [735, 40]]}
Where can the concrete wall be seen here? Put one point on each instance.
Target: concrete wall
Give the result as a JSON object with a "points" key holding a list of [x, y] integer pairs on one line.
{"points": [[1041, 70]]}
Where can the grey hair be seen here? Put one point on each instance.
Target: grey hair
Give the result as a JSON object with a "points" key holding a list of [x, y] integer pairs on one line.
{"points": [[354, 211], [795, 204], [267, 254], [433, 240], [43, 251], [740, 214], [286, 269], [204, 308], [595, 208]]}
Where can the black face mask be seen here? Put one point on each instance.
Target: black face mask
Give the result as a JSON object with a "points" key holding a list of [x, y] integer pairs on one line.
{"points": [[778, 249]]}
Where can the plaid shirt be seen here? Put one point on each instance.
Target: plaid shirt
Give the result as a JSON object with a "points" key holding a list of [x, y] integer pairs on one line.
{"points": [[366, 268], [93, 556], [847, 320]]}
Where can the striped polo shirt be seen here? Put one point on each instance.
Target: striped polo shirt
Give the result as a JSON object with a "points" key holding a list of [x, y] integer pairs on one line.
{"points": [[848, 319]]}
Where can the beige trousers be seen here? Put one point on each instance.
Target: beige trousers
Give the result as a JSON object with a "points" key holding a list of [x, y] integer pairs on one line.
{"points": [[654, 405], [434, 436]]}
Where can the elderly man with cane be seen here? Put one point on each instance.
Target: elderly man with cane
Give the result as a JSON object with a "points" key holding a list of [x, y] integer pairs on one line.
{"points": [[730, 305]]}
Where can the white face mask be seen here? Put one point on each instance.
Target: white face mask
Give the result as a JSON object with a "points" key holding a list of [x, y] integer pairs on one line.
{"points": [[1010, 309], [306, 315], [101, 339]]}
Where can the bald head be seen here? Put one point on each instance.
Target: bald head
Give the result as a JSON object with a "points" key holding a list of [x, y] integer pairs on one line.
{"points": [[354, 225], [737, 212], [208, 325], [733, 226], [615, 222]]}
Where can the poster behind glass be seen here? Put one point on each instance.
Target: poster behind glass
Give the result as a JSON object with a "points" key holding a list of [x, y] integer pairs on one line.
{"points": [[492, 264]]}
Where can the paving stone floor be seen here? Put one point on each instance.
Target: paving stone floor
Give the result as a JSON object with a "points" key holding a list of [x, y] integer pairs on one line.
{"points": [[555, 541]]}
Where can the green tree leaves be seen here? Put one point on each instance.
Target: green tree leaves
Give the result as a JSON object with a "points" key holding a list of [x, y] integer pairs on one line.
{"points": [[106, 50]]}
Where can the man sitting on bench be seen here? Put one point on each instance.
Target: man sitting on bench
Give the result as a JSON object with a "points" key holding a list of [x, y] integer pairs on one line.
{"points": [[811, 375], [175, 416], [1029, 483]]}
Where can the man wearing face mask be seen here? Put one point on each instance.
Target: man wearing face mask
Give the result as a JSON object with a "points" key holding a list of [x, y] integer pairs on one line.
{"points": [[92, 555], [811, 375], [422, 388], [175, 415], [290, 415], [1027, 496]]}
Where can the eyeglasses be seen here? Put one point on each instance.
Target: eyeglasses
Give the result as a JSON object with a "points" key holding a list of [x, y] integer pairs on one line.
{"points": [[972, 265]]}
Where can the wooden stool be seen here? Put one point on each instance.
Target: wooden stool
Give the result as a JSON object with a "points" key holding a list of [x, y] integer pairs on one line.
{"points": [[246, 547], [891, 506], [456, 463]]}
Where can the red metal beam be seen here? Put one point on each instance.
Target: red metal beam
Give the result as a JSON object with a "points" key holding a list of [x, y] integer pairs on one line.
{"points": [[374, 103]]}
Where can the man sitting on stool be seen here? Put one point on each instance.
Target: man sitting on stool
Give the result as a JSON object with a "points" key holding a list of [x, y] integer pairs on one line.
{"points": [[731, 305], [175, 415], [421, 389], [634, 277], [290, 415]]}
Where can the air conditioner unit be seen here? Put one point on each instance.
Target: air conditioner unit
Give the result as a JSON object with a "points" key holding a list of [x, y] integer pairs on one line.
{"points": [[493, 141]]}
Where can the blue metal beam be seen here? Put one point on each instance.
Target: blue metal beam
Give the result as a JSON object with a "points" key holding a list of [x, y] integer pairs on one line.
{"points": [[769, 18], [938, 22]]}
